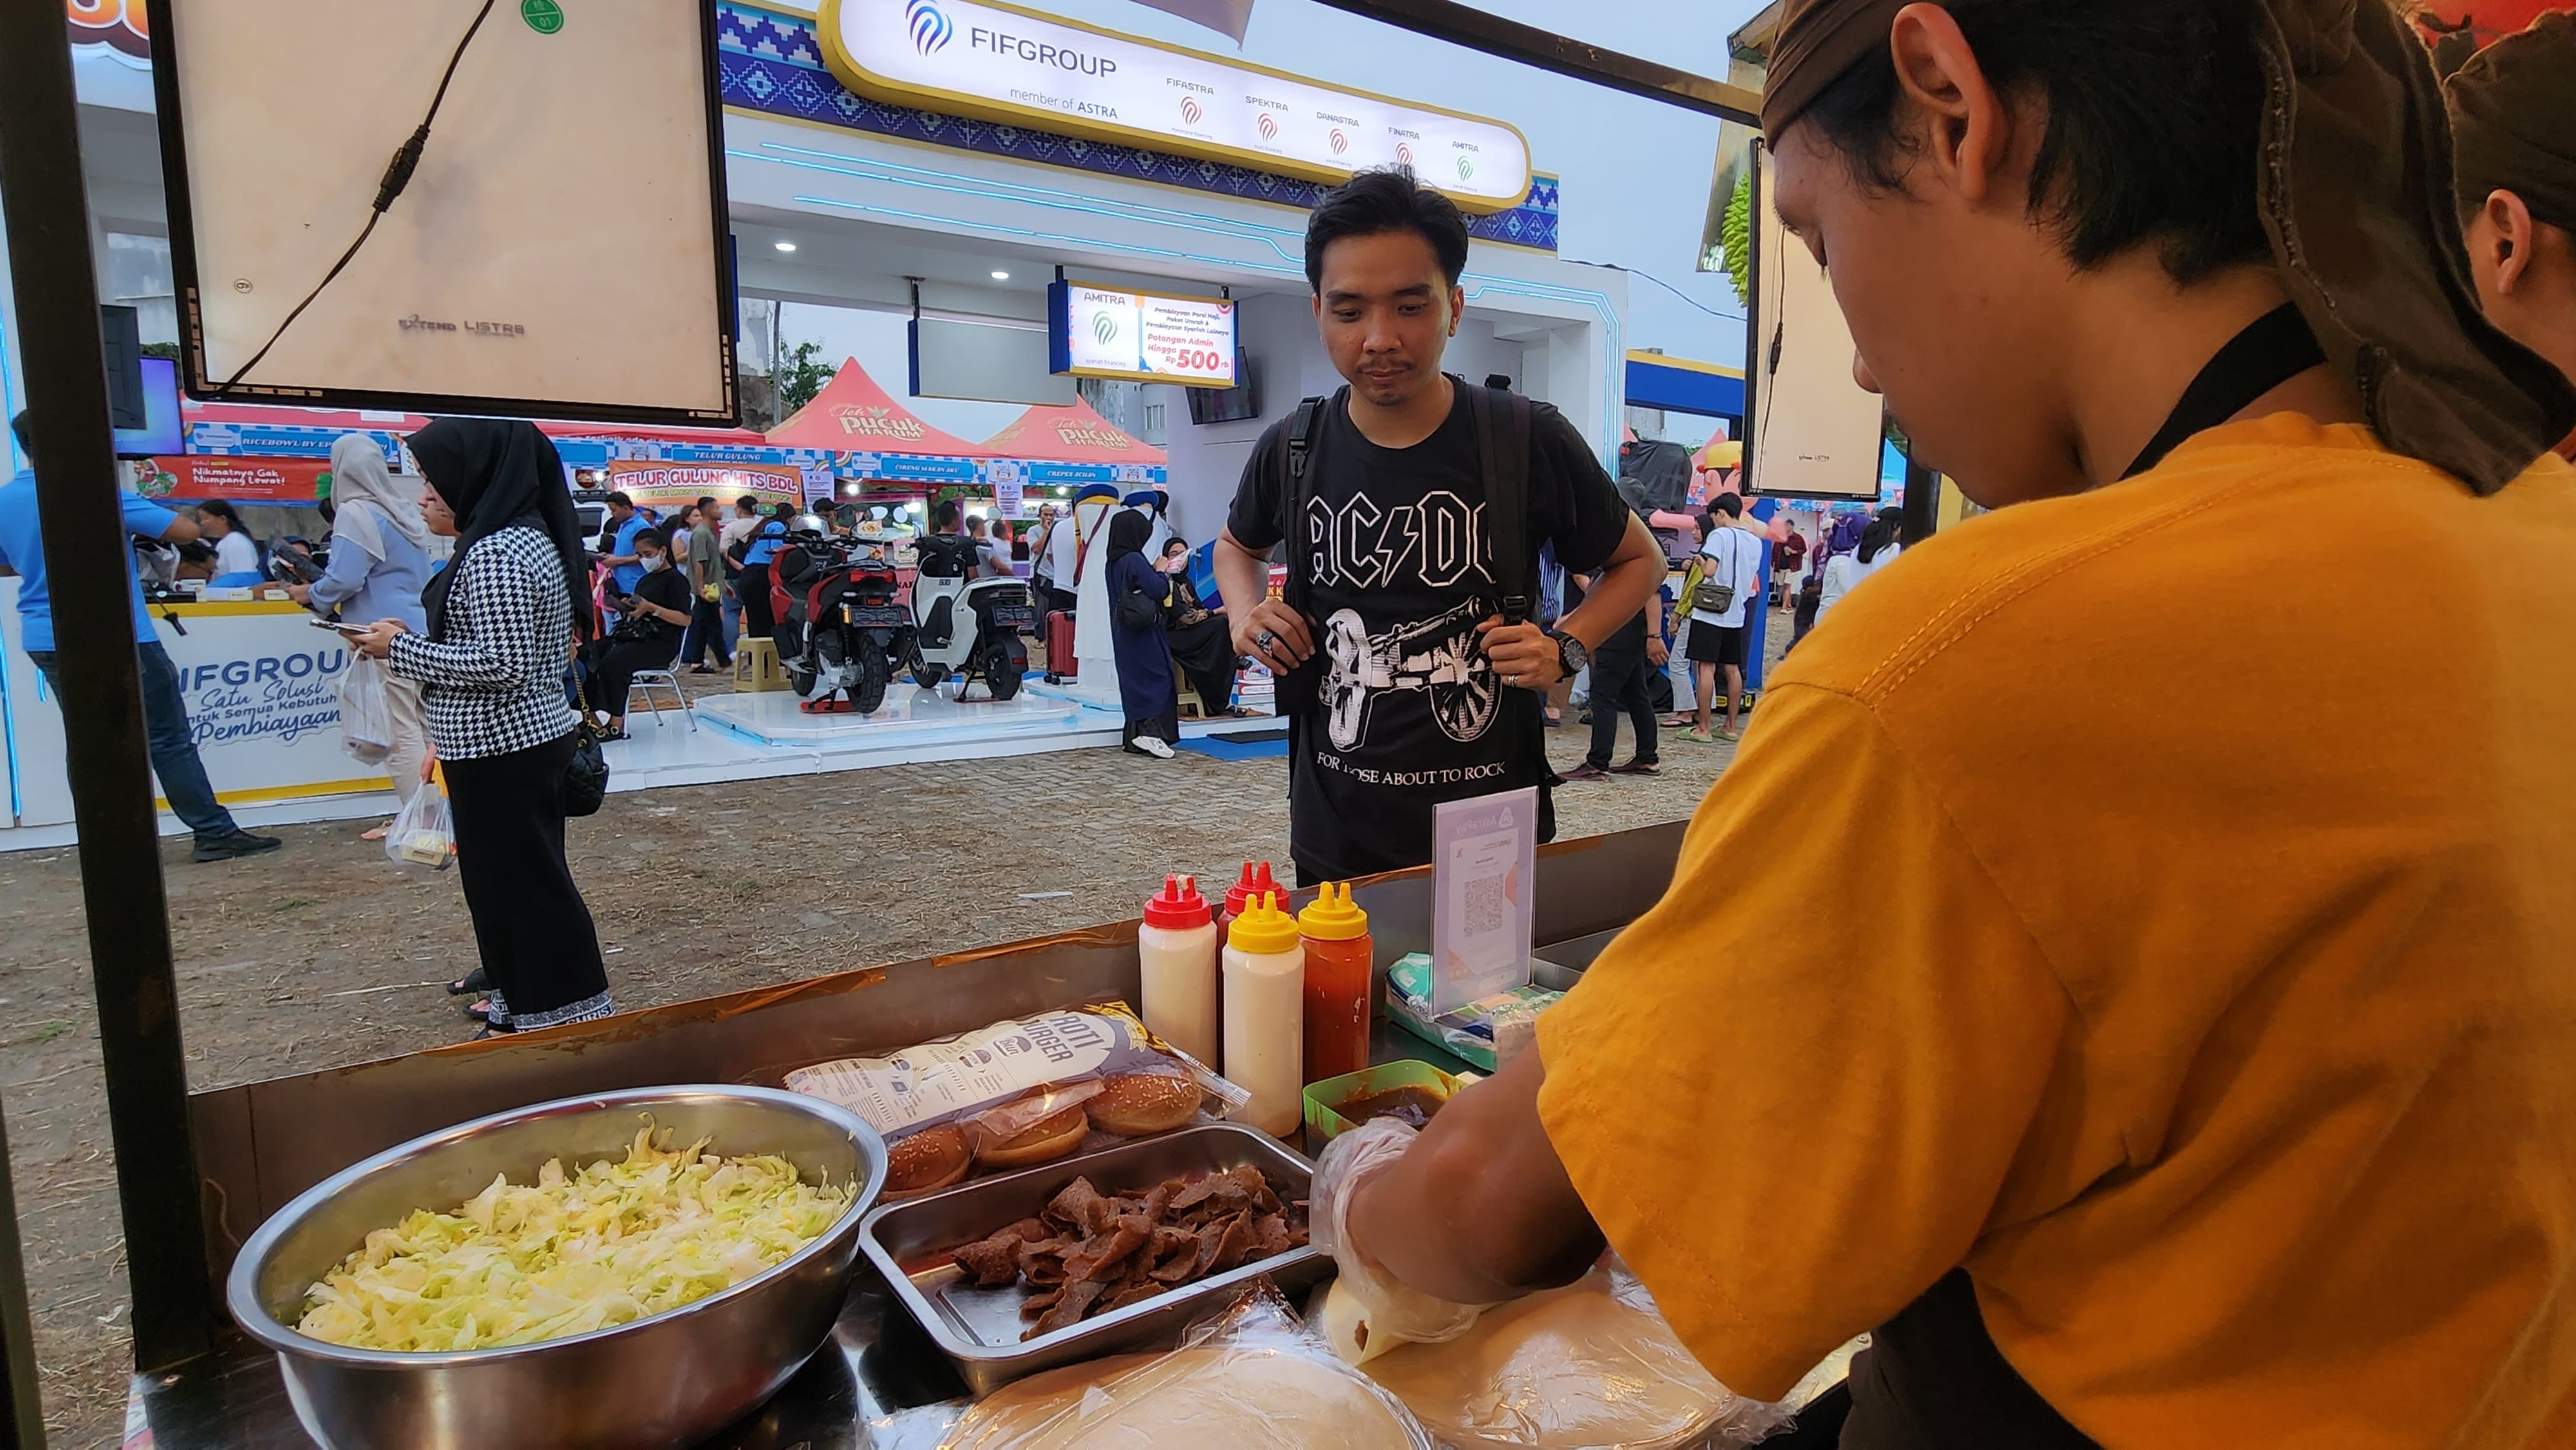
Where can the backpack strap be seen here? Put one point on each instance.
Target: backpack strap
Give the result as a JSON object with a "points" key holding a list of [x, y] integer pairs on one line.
{"points": [[1295, 457], [1503, 426]]}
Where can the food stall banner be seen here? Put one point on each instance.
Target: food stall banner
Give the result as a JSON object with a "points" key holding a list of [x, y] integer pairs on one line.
{"points": [[907, 468], [1017, 67], [1143, 337], [669, 485], [232, 440], [241, 480]]}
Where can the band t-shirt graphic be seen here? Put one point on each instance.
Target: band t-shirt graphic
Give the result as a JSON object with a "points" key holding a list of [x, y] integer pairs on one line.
{"points": [[1404, 711]]}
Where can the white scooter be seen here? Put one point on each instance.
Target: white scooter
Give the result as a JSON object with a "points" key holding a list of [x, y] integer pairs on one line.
{"points": [[966, 626]]}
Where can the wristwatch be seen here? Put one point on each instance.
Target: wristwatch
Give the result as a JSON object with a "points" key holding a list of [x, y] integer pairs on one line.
{"points": [[1571, 656]]}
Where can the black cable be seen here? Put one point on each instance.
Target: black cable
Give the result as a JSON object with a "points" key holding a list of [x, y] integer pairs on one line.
{"points": [[397, 177]]}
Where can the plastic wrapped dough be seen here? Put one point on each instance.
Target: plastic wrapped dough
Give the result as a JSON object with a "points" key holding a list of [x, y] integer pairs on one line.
{"points": [[1368, 1311], [1592, 1366], [1252, 1381]]}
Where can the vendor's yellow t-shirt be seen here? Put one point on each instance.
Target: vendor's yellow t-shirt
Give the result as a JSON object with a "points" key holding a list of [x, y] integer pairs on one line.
{"points": [[2161, 901]]}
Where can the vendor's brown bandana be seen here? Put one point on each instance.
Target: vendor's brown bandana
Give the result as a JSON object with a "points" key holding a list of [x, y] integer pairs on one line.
{"points": [[2357, 195], [2513, 120]]}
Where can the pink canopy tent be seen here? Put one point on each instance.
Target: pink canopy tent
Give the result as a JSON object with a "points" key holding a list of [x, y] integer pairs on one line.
{"points": [[853, 413], [1073, 433]]}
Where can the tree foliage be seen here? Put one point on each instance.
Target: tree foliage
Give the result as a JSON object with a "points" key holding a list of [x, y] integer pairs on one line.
{"points": [[799, 375], [1735, 235]]}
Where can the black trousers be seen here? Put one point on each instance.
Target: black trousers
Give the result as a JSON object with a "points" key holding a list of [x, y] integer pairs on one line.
{"points": [[1619, 674], [706, 639], [613, 663], [530, 925], [752, 588]]}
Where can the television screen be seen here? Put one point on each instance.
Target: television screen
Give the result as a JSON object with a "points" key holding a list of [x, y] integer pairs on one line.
{"points": [[161, 432], [1238, 404]]}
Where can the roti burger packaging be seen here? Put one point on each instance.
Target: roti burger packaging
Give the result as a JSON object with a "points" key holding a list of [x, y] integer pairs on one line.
{"points": [[1023, 1091]]}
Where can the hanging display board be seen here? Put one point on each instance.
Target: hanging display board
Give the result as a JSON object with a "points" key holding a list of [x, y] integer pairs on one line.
{"points": [[560, 249], [1018, 67], [1142, 337], [1815, 431]]}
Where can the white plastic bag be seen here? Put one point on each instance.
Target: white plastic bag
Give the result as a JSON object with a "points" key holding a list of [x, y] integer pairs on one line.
{"points": [[422, 834], [366, 717]]}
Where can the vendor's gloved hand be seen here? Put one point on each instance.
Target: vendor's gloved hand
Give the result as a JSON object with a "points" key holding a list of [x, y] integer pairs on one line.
{"points": [[1368, 1311]]}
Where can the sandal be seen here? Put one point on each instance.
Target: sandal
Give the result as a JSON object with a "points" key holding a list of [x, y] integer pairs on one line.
{"points": [[377, 834], [472, 983], [480, 1011], [614, 733], [1638, 767]]}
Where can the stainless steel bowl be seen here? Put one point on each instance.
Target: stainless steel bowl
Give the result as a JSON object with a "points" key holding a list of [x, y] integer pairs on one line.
{"points": [[670, 1380]]}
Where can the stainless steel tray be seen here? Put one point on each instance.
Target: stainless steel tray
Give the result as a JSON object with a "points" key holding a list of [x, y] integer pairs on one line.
{"points": [[979, 1329], [1560, 966]]}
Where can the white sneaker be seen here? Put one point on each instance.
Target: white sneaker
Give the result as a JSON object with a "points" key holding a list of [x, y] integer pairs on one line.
{"points": [[1154, 746]]}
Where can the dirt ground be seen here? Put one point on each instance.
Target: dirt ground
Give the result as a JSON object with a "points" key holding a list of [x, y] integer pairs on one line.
{"points": [[325, 953]]}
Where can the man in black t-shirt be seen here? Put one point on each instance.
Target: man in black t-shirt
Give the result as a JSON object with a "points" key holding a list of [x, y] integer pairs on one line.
{"points": [[1403, 685]]}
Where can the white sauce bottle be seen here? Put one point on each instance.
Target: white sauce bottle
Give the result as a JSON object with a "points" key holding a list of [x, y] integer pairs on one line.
{"points": [[1177, 947], [1265, 1015]]}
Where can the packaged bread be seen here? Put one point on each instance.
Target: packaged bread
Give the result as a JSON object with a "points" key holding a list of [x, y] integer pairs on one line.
{"points": [[1021, 1092], [1592, 1366], [1251, 1378]]}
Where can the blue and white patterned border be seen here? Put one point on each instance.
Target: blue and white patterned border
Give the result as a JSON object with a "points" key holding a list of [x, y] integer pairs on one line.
{"points": [[771, 62]]}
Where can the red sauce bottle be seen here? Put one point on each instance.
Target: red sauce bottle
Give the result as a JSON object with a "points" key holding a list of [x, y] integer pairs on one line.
{"points": [[1338, 955]]}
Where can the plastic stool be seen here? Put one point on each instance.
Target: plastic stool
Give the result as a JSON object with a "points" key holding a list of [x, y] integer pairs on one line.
{"points": [[642, 683], [757, 659]]}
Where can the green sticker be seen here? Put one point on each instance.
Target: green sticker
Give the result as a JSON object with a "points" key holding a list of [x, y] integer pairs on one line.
{"points": [[545, 17]]}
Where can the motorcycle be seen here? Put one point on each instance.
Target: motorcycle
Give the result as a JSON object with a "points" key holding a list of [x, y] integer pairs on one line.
{"points": [[839, 608], [966, 626]]}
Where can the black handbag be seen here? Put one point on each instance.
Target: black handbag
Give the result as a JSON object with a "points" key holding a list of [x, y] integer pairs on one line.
{"points": [[586, 775], [1138, 611]]}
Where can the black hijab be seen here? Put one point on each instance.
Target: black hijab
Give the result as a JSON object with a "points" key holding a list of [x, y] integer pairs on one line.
{"points": [[1127, 534], [497, 474]]}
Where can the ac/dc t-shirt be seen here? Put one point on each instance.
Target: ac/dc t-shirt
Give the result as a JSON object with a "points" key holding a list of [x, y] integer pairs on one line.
{"points": [[1401, 711]]}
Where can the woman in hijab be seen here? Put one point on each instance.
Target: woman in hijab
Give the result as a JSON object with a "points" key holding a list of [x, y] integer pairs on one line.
{"points": [[499, 625], [1137, 594], [379, 565]]}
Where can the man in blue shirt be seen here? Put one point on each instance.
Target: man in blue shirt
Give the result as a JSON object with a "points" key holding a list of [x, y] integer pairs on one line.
{"points": [[624, 565], [165, 714]]}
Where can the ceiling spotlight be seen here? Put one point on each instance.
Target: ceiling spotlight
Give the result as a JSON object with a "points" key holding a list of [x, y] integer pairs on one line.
{"points": [[1001, 276], [787, 246]]}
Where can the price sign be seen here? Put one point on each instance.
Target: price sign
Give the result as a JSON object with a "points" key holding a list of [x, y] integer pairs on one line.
{"points": [[1145, 337]]}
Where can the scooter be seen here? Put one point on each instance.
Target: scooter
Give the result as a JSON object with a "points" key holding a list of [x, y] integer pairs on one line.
{"points": [[966, 626], [841, 610]]}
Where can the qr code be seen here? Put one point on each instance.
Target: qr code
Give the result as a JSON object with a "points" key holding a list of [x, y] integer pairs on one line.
{"points": [[1487, 911]]}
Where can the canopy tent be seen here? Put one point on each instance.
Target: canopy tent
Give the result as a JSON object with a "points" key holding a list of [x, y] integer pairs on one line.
{"points": [[1071, 433], [852, 412]]}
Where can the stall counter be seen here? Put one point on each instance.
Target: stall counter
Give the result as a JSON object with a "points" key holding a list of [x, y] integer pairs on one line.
{"points": [[262, 691]]}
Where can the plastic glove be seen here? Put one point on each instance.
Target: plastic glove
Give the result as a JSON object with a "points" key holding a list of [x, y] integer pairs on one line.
{"points": [[1368, 1312]]}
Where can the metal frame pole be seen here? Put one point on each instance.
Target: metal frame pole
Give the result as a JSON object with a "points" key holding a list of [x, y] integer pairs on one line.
{"points": [[90, 567]]}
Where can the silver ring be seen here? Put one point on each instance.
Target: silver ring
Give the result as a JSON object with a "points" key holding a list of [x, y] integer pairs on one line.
{"points": [[1511, 680], [1266, 640]]}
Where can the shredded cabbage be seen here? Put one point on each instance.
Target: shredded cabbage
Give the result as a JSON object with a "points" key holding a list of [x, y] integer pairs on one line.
{"points": [[612, 1244]]}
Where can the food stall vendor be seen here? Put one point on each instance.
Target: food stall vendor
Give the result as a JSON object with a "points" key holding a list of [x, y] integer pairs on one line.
{"points": [[2161, 1076]]}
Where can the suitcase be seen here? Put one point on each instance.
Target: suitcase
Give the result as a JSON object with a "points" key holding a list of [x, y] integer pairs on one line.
{"points": [[1059, 647]]}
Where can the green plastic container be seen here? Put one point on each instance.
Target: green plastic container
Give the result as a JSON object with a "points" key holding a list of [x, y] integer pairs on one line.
{"points": [[1324, 1123]]}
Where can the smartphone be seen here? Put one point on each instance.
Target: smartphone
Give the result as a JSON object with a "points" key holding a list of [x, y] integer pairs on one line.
{"points": [[337, 626]]}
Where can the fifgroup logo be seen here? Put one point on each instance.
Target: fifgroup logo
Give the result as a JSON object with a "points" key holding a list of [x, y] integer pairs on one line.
{"points": [[1104, 326], [1341, 143], [930, 25], [1269, 127], [1466, 169], [1404, 152], [1190, 111]]}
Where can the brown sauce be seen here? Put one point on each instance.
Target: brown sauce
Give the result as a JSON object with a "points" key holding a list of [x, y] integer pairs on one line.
{"points": [[1411, 1105]]}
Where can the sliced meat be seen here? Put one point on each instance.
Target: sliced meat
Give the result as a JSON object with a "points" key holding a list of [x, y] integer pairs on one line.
{"points": [[1042, 1264], [1171, 1245], [1131, 1293], [1068, 1310], [1100, 1258], [1269, 1236], [993, 1262], [1038, 1304], [1211, 1240], [1233, 1244], [1070, 1208], [1157, 1204]]}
